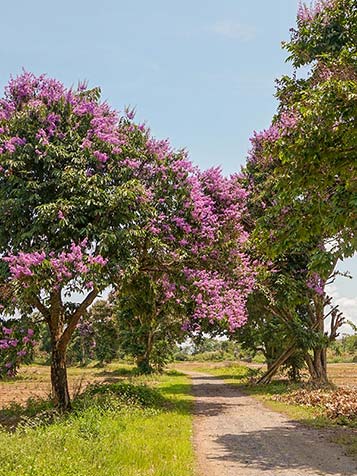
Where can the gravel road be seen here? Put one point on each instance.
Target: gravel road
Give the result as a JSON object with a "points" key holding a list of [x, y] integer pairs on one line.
{"points": [[235, 435]]}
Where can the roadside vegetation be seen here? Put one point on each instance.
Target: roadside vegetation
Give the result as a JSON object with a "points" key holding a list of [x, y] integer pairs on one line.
{"points": [[128, 425]]}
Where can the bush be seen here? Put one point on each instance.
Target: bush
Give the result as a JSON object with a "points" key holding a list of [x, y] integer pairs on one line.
{"points": [[125, 393]]}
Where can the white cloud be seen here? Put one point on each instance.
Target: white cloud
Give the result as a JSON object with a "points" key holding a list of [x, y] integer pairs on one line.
{"points": [[234, 30]]}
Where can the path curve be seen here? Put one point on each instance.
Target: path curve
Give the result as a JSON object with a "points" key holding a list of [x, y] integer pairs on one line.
{"points": [[235, 435]]}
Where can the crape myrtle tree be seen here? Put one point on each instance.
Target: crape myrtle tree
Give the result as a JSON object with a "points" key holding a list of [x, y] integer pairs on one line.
{"points": [[69, 205], [313, 137], [87, 199], [289, 296], [303, 169], [192, 265]]}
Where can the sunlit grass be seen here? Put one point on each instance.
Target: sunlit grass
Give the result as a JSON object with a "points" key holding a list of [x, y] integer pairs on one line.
{"points": [[144, 432]]}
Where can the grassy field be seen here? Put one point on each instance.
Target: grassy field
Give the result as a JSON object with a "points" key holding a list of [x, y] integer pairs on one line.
{"points": [[127, 425]]}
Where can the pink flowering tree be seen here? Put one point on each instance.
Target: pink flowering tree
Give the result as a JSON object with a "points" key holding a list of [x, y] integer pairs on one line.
{"points": [[71, 204], [300, 174], [17, 341], [312, 139], [290, 296], [193, 270], [89, 199]]}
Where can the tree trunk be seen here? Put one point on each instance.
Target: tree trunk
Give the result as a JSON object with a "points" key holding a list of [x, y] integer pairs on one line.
{"points": [[143, 361], [143, 364], [60, 336], [317, 366], [60, 393]]}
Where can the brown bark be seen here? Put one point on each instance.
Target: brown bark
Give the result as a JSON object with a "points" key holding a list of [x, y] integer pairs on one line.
{"points": [[143, 361], [60, 392], [317, 366], [61, 330]]}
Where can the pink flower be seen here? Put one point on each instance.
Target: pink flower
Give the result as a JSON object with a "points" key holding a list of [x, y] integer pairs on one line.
{"points": [[102, 157], [7, 330]]}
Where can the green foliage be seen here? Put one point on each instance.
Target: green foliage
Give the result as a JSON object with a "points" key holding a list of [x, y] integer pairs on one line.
{"points": [[312, 157], [148, 327], [105, 332], [139, 395], [344, 349]]}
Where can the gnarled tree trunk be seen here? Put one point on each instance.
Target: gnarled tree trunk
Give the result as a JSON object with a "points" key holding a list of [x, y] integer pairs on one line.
{"points": [[317, 366], [61, 328]]}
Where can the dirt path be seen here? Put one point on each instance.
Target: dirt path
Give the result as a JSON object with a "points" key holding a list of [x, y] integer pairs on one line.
{"points": [[234, 435]]}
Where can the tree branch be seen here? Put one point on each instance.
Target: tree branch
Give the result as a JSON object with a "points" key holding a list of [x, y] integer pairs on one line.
{"points": [[74, 318], [35, 301]]}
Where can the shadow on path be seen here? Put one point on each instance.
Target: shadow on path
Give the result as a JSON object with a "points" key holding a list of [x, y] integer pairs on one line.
{"points": [[236, 436]]}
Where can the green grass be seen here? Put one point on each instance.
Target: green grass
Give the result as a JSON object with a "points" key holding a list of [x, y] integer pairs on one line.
{"points": [[141, 427], [232, 373]]}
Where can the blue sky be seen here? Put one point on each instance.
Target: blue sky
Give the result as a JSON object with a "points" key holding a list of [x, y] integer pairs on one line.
{"points": [[199, 72]]}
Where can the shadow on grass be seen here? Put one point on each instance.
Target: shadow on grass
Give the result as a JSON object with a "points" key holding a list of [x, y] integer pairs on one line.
{"points": [[15, 414], [246, 382], [174, 373], [177, 389]]}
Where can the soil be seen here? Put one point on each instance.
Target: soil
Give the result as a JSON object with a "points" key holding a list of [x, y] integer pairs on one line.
{"points": [[235, 435], [33, 382]]}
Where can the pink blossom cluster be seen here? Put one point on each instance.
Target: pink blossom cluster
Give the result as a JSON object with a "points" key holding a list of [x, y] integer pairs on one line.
{"points": [[220, 275], [76, 263], [29, 88], [288, 120], [284, 125], [316, 283], [217, 299], [22, 264], [17, 342], [44, 97], [308, 13], [160, 148], [169, 289]]}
